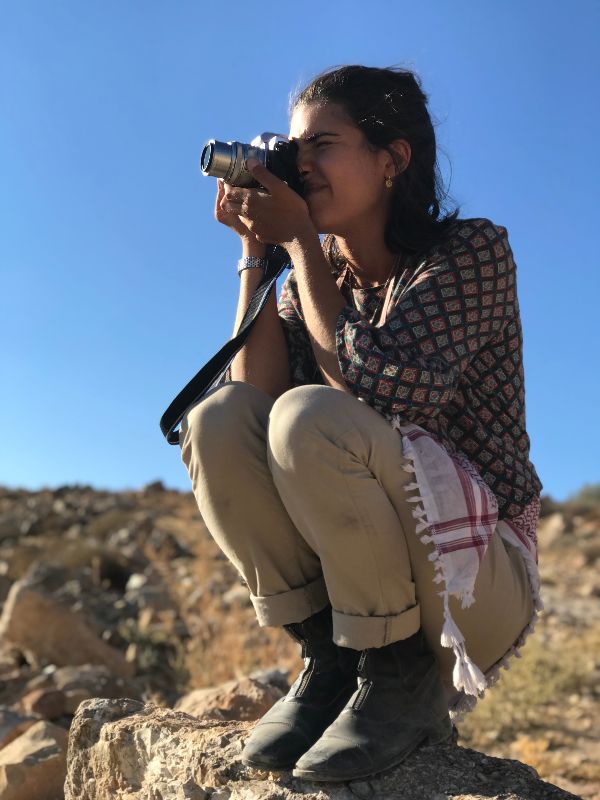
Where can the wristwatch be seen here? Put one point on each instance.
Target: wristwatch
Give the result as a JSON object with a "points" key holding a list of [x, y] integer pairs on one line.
{"points": [[251, 262]]}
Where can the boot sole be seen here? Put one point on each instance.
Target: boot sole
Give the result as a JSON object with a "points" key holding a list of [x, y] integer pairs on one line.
{"points": [[442, 735], [267, 767]]}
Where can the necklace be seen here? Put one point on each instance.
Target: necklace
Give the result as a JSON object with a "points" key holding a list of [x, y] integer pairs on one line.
{"points": [[352, 285]]}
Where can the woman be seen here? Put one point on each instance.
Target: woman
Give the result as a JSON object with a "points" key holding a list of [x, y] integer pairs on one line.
{"points": [[394, 538]]}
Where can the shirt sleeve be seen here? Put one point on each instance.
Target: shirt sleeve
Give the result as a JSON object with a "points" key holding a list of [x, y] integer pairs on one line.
{"points": [[458, 300]]}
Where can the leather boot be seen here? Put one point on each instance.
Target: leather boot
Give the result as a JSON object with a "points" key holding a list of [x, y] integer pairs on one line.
{"points": [[399, 704], [314, 700]]}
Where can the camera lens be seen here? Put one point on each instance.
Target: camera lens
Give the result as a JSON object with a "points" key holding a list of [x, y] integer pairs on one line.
{"points": [[227, 160], [207, 157]]}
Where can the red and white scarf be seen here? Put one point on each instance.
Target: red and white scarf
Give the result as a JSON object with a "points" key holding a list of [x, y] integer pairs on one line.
{"points": [[457, 512]]}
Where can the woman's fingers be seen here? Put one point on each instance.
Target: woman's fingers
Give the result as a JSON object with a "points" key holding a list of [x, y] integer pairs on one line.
{"points": [[220, 195], [237, 195], [235, 208], [222, 191], [223, 195], [220, 203], [239, 201], [243, 209], [266, 178], [228, 216], [223, 203]]}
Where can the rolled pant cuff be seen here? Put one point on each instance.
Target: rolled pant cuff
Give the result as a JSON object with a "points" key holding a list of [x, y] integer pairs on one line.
{"points": [[361, 633], [292, 606]]}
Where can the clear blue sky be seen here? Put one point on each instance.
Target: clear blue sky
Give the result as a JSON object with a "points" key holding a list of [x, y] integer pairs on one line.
{"points": [[116, 283]]}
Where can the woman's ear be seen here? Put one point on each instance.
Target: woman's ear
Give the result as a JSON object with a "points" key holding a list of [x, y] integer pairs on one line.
{"points": [[399, 157]]}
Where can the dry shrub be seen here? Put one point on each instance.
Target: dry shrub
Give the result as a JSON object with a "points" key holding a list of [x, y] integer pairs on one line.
{"points": [[543, 676]]}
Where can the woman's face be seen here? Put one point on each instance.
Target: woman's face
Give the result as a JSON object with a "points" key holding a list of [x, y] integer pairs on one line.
{"points": [[344, 179]]}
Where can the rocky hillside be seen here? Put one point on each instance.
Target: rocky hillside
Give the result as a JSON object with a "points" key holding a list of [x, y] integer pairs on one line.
{"points": [[125, 595]]}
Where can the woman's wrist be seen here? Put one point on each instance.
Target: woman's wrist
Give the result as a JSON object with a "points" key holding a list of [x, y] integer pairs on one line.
{"points": [[305, 244], [251, 277], [253, 248]]}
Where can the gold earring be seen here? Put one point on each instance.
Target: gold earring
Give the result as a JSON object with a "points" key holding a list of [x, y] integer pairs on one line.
{"points": [[388, 183]]}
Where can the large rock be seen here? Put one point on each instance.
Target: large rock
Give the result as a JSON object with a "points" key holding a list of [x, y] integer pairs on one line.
{"points": [[13, 724], [48, 703], [46, 632], [125, 750], [243, 699], [32, 767], [94, 680]]}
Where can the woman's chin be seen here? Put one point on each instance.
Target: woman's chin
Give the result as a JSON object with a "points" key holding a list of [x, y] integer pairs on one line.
{"points": [[321, 220]]}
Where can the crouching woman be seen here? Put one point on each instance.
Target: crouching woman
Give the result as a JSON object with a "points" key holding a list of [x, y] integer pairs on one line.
{"points": [[364, 464]]}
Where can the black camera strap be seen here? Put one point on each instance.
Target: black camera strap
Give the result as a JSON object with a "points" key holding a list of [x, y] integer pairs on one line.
{"points": [[214, 369]]}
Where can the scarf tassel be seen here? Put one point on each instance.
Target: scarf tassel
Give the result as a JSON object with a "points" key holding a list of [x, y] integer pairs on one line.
{"points": [[466, 599], [466, 675], [451, 634]]}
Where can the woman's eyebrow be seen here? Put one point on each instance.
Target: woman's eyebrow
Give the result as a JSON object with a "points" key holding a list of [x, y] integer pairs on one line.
{"points": [[313, 137]]}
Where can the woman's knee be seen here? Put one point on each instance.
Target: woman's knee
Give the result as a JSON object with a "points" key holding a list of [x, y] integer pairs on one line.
{"points": [[297, 415], [219, 418]]}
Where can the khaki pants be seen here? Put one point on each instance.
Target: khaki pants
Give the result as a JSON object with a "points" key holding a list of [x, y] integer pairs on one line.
{"points": [[305, 496]]}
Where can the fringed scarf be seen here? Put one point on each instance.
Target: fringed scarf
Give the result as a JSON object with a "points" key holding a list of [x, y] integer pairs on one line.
{"points": [[457, 512]]}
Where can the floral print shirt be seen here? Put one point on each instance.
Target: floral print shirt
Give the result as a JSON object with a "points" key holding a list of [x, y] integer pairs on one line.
{"points": [[448, 357]]}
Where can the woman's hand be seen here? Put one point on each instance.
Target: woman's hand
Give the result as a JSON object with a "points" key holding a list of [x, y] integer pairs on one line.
{"points": [[278, 216], [228, 218]]}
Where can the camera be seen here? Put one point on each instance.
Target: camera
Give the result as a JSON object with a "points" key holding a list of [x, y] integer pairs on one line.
{"points": [[228, 160]]}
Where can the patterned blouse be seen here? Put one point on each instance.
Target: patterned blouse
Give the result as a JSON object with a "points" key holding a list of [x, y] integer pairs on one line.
{"points": [[447, 358]]}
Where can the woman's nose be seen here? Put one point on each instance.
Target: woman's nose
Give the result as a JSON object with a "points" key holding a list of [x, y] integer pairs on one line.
{"points": [[303, 163]]}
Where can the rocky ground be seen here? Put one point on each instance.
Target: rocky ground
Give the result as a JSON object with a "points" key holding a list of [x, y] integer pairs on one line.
{"points": [[125, 594]]}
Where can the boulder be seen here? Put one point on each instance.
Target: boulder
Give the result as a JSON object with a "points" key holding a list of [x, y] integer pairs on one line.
{"points": [[125, 750], [243, 699], [13, 724], [552, 528], [47, 703], [32, 767], [46, 632], [95, 679]]}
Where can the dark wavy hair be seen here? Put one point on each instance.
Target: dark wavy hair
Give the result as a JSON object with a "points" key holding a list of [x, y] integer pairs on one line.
{"points": [[388, 104]]}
